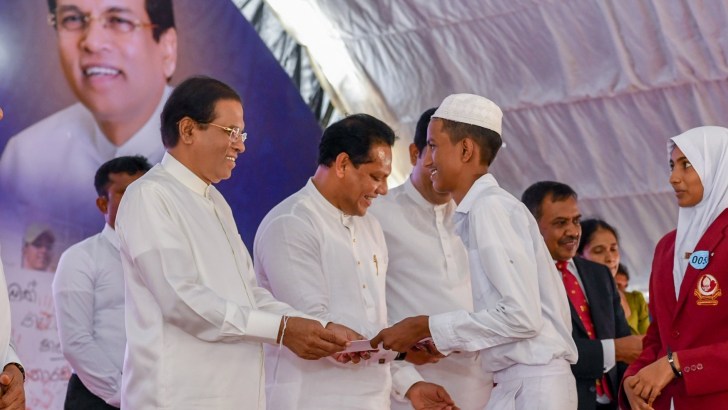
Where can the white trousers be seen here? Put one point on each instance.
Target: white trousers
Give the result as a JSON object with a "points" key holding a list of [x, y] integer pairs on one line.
{"points": [[546, 387]]}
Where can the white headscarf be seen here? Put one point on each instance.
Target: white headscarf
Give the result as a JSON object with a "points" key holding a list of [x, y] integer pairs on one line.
{"points": [[4, 317], [707, 150]]}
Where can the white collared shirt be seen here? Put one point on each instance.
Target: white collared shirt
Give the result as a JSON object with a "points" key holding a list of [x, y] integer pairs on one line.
{"points": [[521, 314], [428, 274], [88, 291], [195, 316], [330, 265], [47, 170]]}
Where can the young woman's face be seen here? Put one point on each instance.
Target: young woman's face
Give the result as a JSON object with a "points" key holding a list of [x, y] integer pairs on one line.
{"points": [[684, 180]]}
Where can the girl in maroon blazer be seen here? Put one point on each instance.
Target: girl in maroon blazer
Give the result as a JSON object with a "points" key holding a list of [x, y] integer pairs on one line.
{"points": [[684, 364]]}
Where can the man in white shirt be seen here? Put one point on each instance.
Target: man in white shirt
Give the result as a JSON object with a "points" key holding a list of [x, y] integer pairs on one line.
{"points": [[521, 324], [12, 392], [428, 274], [599, 328], [117, 58], [195, 315], [88, 291], [319, 251]]}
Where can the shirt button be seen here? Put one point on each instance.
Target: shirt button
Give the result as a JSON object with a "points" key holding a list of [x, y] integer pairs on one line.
{"points": [[364, 286], [700, 366], [358, 262], [675, 334]]}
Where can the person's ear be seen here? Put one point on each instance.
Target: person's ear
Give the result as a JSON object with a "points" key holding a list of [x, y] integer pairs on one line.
{"points": [[468, 149], [414, 153], [168, 48], [186, 128], [342, 162], [103, 204]]}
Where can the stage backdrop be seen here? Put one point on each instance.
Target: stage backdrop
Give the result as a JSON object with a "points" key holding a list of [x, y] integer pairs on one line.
{"points": [[214, 40]]}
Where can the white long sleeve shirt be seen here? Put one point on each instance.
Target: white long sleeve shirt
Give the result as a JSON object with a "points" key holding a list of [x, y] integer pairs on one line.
{"points": [[88, 291], [195, 316], [73, 149], [428, 274], [521, 311], [330, 265]]}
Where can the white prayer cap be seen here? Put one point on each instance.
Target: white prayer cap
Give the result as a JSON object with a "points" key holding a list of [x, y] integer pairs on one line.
{"points": [[471, 109]]}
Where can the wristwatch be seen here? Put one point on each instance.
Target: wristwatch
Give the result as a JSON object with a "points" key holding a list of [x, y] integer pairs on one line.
{"points": [[670, 360]]}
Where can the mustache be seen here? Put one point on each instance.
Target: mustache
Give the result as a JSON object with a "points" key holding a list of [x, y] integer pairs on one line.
{"points": [[566, 239]]}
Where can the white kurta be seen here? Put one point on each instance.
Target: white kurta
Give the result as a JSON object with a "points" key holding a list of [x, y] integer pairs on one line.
{"points": [[521, 311], [88, 291], [195, 316], [330, 265], [57, 158], [428, 274]]}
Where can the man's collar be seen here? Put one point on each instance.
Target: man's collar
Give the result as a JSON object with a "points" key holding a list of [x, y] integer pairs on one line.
{"points": [[184, 175], [481, 184]]}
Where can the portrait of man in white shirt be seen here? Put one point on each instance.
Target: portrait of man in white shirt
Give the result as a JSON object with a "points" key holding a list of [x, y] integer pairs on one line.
{"points": [[321, 252], [428, 274], [521, 324], [195, 315], [117, 58], [88, 292]]}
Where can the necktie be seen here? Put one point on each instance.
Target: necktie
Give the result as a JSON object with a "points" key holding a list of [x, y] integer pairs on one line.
{"points": [[578, 300]]}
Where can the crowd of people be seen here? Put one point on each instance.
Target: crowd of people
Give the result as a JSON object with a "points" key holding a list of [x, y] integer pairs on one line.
{"points": [[445, 292]]}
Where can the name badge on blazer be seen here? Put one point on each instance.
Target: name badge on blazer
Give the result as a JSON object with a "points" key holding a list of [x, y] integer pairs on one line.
{"points": [[699, 259], [707, 290]]}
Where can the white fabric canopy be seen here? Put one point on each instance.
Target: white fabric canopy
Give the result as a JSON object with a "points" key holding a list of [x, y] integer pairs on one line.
{"points": [[591, 90]]}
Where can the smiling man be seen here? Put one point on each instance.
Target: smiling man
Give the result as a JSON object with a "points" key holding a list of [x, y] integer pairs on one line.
{"points": [[117, 57], [321, 252], [520, 323], [195, 315], [599, 328]]}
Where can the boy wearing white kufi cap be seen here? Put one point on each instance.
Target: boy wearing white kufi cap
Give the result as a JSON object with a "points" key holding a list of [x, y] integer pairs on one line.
{"points": [[522, 322]]}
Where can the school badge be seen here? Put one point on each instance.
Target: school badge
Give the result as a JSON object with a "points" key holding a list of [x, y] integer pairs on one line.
{"points": [[707, 290]]}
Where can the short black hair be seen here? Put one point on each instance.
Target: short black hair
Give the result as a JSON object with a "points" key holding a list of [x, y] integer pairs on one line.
{"points": [[534, 195], [622, 270], [195, 98], [355, 135], [161, 14], [488, 140], [420, 138], [128, 165], [589, 227]]}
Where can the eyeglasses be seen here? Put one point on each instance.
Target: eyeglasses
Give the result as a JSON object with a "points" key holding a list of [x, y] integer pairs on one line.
{"points": [[236, 134], [77, 21]]}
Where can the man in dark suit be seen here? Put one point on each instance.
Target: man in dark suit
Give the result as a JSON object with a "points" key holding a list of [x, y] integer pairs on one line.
{"points": [[599, 328]]}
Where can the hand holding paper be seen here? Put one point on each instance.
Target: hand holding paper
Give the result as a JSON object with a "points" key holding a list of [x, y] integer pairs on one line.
{"points": [[403, 335]]}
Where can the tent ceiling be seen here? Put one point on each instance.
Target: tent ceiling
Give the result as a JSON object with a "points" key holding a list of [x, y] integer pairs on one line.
{"points": [[590, 90]]}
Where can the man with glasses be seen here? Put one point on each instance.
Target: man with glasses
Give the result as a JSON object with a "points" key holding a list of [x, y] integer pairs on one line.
{"points": [[117, 58], [195, 315]]}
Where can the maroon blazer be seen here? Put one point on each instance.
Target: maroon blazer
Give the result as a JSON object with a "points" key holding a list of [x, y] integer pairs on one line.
{"points": [[695, 326]]}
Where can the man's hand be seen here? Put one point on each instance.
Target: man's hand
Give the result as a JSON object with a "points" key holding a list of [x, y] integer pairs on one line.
{"points": [[403, 335], [635, 401], [423, 353], [309, 340], [429, 396], [350, 335], [650, 380], [12, 394], [627, 349]]}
